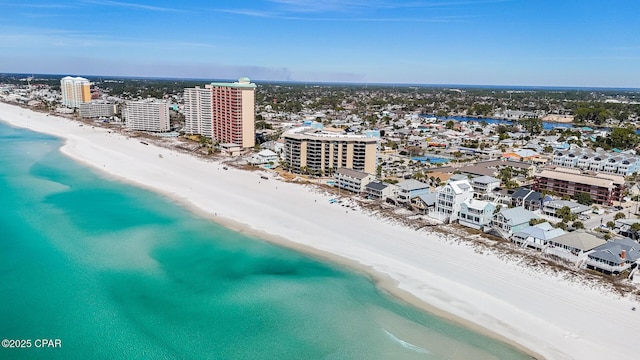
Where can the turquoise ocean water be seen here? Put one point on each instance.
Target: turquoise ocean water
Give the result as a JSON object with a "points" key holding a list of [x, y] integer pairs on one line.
{"points": [[117, 272]]}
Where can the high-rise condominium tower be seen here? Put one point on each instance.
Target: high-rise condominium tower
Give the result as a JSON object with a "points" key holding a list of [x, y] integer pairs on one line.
{"points": [[146, 115], [222, 111], [75, 91]]}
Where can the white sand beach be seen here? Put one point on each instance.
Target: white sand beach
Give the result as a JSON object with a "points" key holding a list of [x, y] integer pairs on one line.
{"points": [[546, 314]]}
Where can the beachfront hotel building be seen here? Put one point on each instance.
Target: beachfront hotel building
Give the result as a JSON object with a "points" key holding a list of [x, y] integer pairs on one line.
{"points": [[146, 115], [603, 188], [313, 151], [95, 109], [222, 111], [198, 110], [75, 91]]}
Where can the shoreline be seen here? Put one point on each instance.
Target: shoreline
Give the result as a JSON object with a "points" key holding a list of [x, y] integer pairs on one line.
{"points": [[402, 275], [384, 282]]}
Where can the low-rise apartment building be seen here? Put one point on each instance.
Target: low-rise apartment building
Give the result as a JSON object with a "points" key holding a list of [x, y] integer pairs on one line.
{"points": [[603, 188]]}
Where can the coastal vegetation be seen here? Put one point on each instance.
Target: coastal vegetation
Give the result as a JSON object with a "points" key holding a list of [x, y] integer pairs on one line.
{"points": [[594, 107]]}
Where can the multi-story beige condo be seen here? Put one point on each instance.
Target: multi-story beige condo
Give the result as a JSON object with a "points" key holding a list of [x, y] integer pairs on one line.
{"points": [[222, 111], [96, 109], [75, 91], [319, 152], [146, 115]]}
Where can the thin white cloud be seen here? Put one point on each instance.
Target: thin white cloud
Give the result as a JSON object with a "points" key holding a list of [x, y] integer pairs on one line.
{"points": [[361, 10], [46, 6], [247, 12], [31, 37], [314, 6], [281, 16], [441, 19], [132, 5]]}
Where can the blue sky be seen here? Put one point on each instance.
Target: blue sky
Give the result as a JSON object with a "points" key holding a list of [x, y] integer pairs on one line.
{"points": [[491, 42]]}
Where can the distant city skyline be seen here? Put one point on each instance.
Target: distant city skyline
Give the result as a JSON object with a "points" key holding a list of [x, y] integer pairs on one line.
{"points": [[582, 43]]}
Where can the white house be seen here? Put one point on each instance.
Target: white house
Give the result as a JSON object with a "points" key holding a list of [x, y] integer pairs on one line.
{"points": [[550, 208], [408, 189], [263, 157], [354, 181], [483, 186], [573, 246], [614, 256], [509, 221], [624, 227], [475, 214], [425, 203], [536, 236], [450, 197], [378, 190]]}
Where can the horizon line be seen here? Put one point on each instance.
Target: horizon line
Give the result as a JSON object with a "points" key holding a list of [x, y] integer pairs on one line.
{"points": [[348, 83]]}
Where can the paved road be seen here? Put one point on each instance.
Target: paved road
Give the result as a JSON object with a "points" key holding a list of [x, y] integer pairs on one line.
{"points": [[629, 210]]}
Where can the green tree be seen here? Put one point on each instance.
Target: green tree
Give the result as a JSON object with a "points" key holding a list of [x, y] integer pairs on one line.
{"points": [[561, 225], [578, 225], [583, 198], [532, 126], [203, 140], [619, 216], [611, 224], [565, 214], [449, 124], [506, 174], [620, 137], [536, 221], [623, 137], [261, 125]]}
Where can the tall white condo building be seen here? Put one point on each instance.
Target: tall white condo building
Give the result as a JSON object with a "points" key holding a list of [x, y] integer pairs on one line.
{"points": [[146, 115]]}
